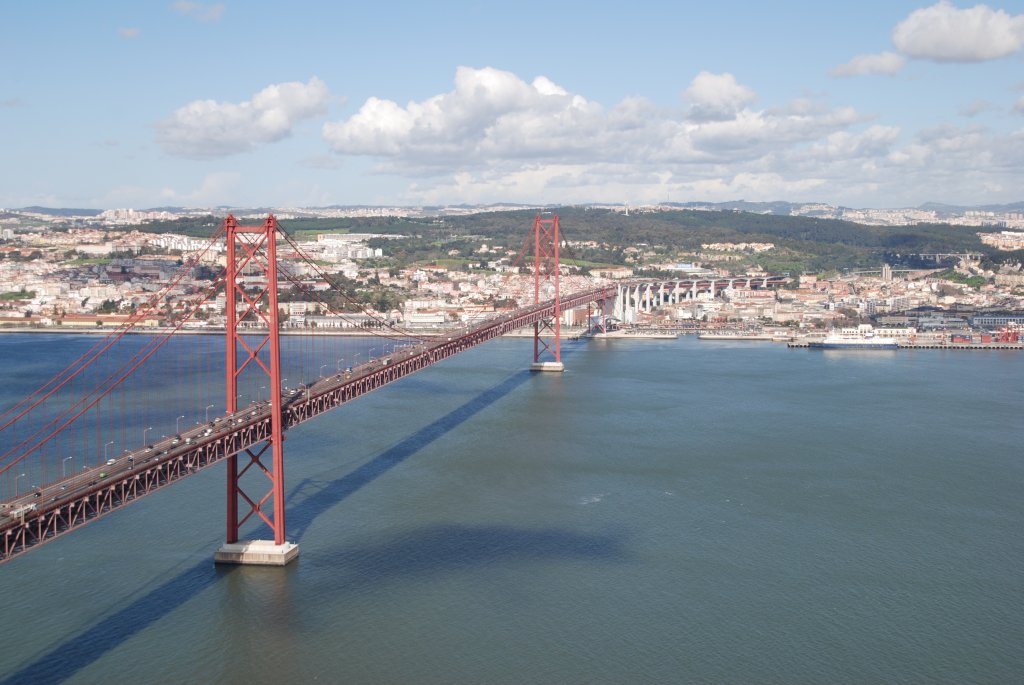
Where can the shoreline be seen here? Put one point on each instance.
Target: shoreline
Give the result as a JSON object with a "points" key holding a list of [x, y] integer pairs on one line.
{"points": [[923, 346], [575, 332], [571, 333], [213, 331]]}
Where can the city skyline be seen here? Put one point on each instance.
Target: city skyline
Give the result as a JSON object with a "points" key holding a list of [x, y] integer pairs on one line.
{"points": [[183, 103]]}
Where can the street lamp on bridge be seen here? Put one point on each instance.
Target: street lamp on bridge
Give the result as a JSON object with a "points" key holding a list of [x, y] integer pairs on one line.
{"points": [[144, 431], [64, 466], [16, 479], [337, 366], [105, 450], [208, 408], [177, 424]]}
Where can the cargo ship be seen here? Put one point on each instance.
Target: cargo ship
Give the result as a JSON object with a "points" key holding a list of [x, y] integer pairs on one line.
{"points": [[860, 338]]}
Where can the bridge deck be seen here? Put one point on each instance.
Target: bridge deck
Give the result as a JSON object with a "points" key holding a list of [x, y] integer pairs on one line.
{"points": [[49, 512]]}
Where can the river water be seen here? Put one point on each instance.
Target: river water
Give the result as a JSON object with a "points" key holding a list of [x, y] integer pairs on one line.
{"points": [[662, 512]]}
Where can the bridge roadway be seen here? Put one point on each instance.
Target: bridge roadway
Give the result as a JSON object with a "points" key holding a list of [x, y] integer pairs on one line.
{"points": [[53, 510]]}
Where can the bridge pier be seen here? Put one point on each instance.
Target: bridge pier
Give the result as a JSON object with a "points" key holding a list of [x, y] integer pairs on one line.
{"points": [[256, 553], [547, 366]]}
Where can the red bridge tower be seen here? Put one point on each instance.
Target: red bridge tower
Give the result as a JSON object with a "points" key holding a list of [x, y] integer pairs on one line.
{"points": [[253, 249], [547, 334]]}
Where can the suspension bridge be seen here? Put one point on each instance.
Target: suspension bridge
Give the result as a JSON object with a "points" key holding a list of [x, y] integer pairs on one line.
{"points": [[58, 473]]}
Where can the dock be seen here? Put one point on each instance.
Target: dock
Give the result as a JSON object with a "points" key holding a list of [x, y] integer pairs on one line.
{"points": [[906, 345], [960, 346]]}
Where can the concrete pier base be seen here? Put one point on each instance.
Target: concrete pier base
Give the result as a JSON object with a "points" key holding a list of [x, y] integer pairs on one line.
{"points": [[256, 553], [547, 366]]}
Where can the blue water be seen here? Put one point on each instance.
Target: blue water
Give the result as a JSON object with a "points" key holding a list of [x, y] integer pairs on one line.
{"points": [[663, 512]]}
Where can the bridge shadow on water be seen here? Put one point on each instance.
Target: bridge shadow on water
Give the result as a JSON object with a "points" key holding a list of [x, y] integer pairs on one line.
{"points": [[433, 549], [305, 511], [438, 549]]}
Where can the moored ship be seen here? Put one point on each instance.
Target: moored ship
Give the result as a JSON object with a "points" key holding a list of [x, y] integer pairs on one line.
{"points": [[860, 338], [734, 335]]}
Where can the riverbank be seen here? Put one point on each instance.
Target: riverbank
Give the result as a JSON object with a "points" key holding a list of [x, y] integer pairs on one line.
{"points": [[154, 330]]}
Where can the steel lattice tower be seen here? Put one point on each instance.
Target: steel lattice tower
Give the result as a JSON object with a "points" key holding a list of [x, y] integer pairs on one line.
{"points": [[254, 249], [547, 334]]}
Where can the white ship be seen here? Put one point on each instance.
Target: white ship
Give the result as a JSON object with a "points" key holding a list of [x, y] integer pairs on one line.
{"points": [[734, 335], [860, 338]]}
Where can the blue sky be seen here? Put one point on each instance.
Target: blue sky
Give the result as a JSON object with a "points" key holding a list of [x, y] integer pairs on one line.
{"points": [[873, 103]]}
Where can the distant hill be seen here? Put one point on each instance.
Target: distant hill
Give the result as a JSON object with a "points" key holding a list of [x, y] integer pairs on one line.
{"points": [[61, 211], [949, 210], [803, 244], [172, 210], [778, 207], [781, 208]]}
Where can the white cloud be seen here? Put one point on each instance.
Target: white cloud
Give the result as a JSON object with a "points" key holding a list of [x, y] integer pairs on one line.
{"points": [[876, 167], [751, 185], [882, 63], [977, 107], [876, 141], [751, 135], [945, 33], [494, 119], [321, 162], [205, 128], [954, 164], [129, 32], [490, 113], [496, 137], [715, 97], [198, 10], [217, 188]]}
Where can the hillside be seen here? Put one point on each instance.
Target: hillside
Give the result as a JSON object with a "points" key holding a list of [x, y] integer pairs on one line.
{"points": [[802, 244]]}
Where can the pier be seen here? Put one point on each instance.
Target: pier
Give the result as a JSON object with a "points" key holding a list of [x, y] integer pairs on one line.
{"points": [[935, 345]]}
